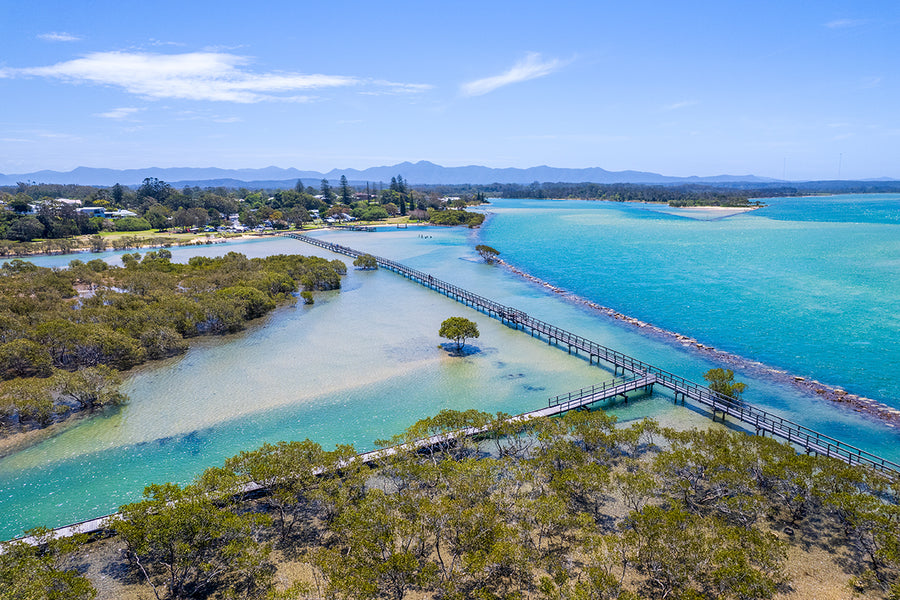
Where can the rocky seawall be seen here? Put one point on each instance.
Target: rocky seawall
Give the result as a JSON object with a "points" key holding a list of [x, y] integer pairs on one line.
{"points": [[867, 406]]}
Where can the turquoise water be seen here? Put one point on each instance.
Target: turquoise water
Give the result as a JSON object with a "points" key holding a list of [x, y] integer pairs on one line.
{"points": [[809, 285], [364, 363]]}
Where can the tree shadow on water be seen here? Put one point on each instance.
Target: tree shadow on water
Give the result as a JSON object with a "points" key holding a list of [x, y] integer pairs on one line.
{"points": [[466, 350]]}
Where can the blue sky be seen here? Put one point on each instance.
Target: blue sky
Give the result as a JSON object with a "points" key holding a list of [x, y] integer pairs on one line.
{"points": [[804, 90]]}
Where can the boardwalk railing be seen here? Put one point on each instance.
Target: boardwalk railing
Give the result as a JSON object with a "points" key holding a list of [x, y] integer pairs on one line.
{"points": [[596, 393], [763, 421]]}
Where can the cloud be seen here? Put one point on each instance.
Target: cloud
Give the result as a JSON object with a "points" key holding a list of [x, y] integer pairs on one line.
{"points": [[872, 82], [844, 23], [213, 76], [118, 113], [677, 105], [59, 36], [530, 67]]}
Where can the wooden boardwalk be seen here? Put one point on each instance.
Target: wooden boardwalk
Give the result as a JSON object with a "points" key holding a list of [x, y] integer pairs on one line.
{"points": [[644, 377], [558, 405], [763, 422]]}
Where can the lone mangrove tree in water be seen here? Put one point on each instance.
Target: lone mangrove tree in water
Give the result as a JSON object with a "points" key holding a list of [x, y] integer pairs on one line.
{"points": [[365, 262], [487, 253], [458, 329], [722, 381]]}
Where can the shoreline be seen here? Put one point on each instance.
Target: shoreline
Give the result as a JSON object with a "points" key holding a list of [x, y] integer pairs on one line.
{"points": [[199, 240], [17, 441], [885, 414]]}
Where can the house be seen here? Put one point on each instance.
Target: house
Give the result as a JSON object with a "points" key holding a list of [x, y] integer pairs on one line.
{"points": [[118, 214], [92, 211]]}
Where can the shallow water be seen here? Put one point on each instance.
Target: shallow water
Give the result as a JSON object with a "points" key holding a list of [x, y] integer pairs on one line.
{"points": [[364, 363]]}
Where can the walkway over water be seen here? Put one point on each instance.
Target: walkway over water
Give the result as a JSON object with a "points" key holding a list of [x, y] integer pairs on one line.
{"points": [[558, 405], [762, 421]]}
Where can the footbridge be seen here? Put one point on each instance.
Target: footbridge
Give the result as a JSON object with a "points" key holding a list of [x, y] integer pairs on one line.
{"points": [[643, 375]]}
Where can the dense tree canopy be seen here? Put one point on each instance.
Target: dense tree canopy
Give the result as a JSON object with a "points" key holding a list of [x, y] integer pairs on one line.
{"points": [[575, 507], [65, 333], [35, 571]]}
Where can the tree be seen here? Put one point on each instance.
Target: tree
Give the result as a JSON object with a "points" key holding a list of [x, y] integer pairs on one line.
{"points": [[92, 387], [31, 398], [154, 188], [287, 470], [366, 262], [118, 192], [458, 329], [24, 358], [487, 253], [327, 192], [158, 216], [346, 191], [32, 571], [385, 549], [184, 545], [722, 381], [25, 229], [20, 204]]}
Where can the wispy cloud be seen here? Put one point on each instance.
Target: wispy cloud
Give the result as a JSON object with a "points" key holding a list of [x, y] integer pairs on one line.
{"points": [[193, 115], [678, 105], [119, 113], [530, 67], [844, 23], [58, 36], [156, 42], [213, 76], [872, 82], [392, 87]]}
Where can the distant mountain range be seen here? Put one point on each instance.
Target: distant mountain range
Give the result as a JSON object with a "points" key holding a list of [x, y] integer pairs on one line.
{"points": [[419, 173]]}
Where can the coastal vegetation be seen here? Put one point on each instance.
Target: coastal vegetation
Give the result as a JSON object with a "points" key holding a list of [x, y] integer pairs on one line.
{"points": [[365, 262], [458, 329], [35, 571], [488, 254], [722, 381], [455, 217], [66, 333], [709, 194], [56, 214], [574, 507]]}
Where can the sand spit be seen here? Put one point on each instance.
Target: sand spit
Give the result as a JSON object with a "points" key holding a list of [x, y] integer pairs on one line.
{"points": [[867, 406]]}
